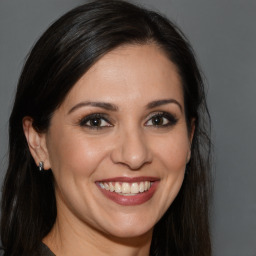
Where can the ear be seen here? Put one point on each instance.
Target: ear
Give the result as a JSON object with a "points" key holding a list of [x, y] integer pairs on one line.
{"points": [[36, 143], [191, 136]]}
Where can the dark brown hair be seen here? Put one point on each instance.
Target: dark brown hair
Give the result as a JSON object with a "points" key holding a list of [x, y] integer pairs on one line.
{"points": [[60, 57]]}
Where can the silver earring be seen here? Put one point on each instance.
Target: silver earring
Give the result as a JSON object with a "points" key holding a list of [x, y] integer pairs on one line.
{"points": [[41, 166]]}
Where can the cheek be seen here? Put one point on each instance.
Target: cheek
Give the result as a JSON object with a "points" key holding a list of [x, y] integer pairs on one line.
{"points": [[173, 152], [73, 154]]}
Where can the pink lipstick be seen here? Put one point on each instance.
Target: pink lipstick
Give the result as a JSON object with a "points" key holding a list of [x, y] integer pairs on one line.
{"points": [[128, 190]]}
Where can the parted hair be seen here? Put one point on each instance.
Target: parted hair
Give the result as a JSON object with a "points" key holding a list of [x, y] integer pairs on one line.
{"points": [[68, 48]]}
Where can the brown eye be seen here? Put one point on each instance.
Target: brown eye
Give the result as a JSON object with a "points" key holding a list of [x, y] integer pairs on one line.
{"points": [[157, 120], [161, 119], [95, 121]]}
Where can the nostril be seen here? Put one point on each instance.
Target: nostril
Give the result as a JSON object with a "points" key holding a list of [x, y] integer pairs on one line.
{"points": [[134, 161]]}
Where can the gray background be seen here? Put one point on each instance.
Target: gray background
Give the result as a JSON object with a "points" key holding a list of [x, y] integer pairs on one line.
{"points": [[223, 35]]}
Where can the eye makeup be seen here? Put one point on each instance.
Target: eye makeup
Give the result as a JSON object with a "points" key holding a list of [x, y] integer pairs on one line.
{"points": [[95, 121], [98, 121], [161, 119]]}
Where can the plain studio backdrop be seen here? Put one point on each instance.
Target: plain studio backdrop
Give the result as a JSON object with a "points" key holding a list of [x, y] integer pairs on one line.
{"points": [[223, 35]]}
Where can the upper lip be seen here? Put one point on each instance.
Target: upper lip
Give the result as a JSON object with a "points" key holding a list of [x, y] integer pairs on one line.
{"points": [[130, 179]]}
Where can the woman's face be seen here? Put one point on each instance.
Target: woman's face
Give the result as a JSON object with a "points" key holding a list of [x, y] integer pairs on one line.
{"points": [[119, 143]]}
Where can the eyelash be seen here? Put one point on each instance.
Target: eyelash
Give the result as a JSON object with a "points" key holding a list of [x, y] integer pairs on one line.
{"points": [[170, 119], [98, 116], [166, 120]]}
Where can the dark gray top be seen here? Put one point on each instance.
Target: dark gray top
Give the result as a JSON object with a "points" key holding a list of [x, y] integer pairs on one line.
{"points": [[43, 250]]}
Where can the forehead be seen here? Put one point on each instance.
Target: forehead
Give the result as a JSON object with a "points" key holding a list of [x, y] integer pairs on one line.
{"points": [[133, 72]]}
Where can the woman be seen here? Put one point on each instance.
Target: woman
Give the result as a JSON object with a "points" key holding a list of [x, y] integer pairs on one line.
{"points": [[109, 152]]}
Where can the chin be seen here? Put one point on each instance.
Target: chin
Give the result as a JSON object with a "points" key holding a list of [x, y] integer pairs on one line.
{"points": [[130, 230]]}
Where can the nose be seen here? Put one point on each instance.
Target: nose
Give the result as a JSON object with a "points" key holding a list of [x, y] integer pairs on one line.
{"points": [[132, 150]]}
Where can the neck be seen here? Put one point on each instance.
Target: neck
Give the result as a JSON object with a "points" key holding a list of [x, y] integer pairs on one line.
{"points": [[69, 237]]}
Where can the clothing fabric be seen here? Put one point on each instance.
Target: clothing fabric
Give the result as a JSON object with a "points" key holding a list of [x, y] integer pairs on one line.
{"points": [[43, 250]]}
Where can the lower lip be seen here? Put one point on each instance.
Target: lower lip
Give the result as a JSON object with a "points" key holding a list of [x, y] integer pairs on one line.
{"points": [[130, 200]]}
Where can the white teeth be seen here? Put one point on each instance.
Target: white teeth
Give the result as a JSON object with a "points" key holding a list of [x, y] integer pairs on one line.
{"points": [[135, 188], [106, 186], [111, 187], [141, 187], [147, 185], [118, 188], [126, 188]]}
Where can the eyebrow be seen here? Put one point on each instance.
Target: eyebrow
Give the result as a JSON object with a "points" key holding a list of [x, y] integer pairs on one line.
{"points": [[112, 107], [158, 103], [103, 105]]}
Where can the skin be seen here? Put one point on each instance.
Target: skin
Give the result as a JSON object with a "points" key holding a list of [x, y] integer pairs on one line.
{"points": [[129, 145]]}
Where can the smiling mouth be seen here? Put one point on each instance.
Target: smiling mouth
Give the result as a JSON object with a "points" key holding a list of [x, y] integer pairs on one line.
{"points": [[126, 188], [129, 191]]}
